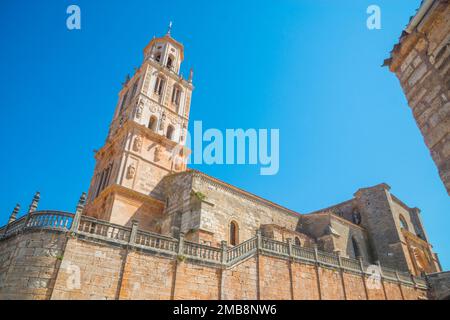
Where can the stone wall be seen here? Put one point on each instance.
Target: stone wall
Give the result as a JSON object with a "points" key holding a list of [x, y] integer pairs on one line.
{"points": [[421, 62], [58, 265], [113, 273], [89, 271], [29, 264]]}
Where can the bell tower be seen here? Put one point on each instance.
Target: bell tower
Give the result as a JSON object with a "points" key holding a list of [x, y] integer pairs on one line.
{"points": [[146, 139]]}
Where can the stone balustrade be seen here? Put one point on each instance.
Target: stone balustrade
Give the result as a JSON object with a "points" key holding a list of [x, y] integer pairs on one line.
{"points": [[51, 220], [225, 257]]}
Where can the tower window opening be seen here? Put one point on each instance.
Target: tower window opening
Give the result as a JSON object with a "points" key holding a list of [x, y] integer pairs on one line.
{"points": [[152, 123], [158, 57], [170, 131], [170, 63], [176, 95], [159, 86], [297, 241], [234, 233]]}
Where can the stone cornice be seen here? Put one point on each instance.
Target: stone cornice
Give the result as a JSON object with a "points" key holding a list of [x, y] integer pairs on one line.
{"points": [[414, 31], [127, 127], [118, 189]]}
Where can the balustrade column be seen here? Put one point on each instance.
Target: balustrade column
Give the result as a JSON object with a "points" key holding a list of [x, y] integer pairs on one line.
{"points": [[290, 251], [258, 240], [290, 262], [181, 244], [316, 253], [224, 247], [134, 231]]}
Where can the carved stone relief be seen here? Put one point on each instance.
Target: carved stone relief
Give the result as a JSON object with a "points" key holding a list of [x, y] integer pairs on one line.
{"points": [[158, 153], [163, 121], [137, 145], [139, 109], [131, 171]]}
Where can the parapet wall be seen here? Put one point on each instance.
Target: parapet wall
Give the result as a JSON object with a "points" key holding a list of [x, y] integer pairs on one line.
{"points": [[97, 260]]}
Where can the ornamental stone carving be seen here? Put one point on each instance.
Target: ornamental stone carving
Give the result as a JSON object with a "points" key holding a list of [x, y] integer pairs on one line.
{"points": [[153, 107], [131, 171], [174, 120], [139, 110], [163, 121], [137, 145], [158, 153]]}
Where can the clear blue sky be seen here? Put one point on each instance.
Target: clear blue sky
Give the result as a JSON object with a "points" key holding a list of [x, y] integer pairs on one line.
{"points": [[310, 68]]}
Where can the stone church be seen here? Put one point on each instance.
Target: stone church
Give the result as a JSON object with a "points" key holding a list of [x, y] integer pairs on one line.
{"points": [[150, 228], [138, 176]]}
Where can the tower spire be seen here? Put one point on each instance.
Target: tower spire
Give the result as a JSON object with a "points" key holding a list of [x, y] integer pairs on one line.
{"points": [[169, 29]]}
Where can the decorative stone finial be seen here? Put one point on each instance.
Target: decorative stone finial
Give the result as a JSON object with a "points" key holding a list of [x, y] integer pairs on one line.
{"points": [[34, 202], [77, 217], [13, 216], [191, 75], [127, 79], [81, 202]]}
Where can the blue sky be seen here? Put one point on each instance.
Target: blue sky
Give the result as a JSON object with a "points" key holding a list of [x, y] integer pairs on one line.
{"points": [[310, 68]]}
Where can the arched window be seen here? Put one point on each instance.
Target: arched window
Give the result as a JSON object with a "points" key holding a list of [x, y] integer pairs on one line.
{"points": [[403, 223], [356, 249], [170, 130], [159, 86], [158, 57], [234, 233], [297, 241], [152, 123]]}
